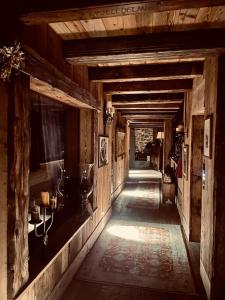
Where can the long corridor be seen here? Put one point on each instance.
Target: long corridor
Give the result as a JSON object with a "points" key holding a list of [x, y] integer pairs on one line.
{"points": [[141, 253]]}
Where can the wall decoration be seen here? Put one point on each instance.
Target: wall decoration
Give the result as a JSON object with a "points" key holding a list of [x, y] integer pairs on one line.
{"points": [[208, 137], [10, 57], [185, 161], [120, 143], [103, 151]]}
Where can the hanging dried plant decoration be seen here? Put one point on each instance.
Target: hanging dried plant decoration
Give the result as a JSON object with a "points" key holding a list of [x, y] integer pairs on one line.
{"points": [[10, 57]]}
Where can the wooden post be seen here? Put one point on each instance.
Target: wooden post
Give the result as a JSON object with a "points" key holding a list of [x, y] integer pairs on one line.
{"points": [[3, 187], [18, 188], [218, 287], [168, 139]]}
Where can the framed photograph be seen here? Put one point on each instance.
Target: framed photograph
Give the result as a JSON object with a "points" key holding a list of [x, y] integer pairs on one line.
{"points": [[120, 143], [208, 137], [103, 151], [185, 161]]}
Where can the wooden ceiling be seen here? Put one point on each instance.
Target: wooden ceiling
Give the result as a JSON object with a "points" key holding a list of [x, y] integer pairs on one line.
{"points": [[146, 53]]}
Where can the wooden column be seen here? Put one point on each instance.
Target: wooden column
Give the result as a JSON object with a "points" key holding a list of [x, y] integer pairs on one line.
{"points": [[3, 187], [18, 188], [168, 139], [218, 287]]}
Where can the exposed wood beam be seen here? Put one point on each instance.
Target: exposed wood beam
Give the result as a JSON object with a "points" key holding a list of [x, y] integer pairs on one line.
{"points": [[145, 112], [148, 117], [146, 72], [152, 120], [48, 80], [155, 45], [148, 106], [149, 87], [147, 98], [60, 11]]}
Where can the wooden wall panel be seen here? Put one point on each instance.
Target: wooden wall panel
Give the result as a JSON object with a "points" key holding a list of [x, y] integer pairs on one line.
{"points": [[208, 205], [3, 187], [91, 126], [18, 186]]}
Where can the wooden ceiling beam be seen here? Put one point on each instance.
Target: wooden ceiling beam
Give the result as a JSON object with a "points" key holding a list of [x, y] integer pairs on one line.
{"points": [[156, 45], [37, 12], [48, 80], [147, 98], [148, 117], [146, 112], [146, 72], [149, 87], [148, 106]]}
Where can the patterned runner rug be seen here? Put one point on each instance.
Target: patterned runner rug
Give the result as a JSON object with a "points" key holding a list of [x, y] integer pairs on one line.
{"points": [[140, 254], [146, 197]]}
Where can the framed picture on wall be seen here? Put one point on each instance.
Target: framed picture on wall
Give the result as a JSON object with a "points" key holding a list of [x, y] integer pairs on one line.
{"points": [[103, 151], [185, 161], [208, 137]]}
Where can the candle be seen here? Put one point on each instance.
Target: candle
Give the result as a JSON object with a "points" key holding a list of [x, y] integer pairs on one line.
{"points": [[45, 198], [53, 202], [35, 214]]}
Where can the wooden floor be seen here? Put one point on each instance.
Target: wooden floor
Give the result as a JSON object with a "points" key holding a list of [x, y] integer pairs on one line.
{"points": [[165, 214]]}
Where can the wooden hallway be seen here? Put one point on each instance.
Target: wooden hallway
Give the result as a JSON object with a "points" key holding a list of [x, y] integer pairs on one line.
{"points": [[137, 256], [112, 150]]}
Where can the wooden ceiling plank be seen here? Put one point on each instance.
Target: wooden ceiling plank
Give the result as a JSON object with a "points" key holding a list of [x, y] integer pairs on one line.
{"points": [[148, 72], [158, 45], [141, 87], [68, 10]]}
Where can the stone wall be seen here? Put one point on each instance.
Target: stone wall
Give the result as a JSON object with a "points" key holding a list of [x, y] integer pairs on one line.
{"points": [[142, 137]]}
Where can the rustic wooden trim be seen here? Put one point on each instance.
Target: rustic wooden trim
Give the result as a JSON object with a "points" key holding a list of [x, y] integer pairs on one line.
{"points": [[3, 186], [68, 10], [48, 80], [18, 183], [196, 43], [146, 72], [149, 87]]}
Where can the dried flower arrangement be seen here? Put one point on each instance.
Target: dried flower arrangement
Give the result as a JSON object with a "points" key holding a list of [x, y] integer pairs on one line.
{"points": [[10, 57]]}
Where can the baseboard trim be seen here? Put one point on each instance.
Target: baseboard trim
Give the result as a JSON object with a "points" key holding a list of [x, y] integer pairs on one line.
{"points": [[67, 277], [205, 280]]}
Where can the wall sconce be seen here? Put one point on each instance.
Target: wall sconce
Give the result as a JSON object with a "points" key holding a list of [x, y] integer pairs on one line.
{"points": [[109, 112]]}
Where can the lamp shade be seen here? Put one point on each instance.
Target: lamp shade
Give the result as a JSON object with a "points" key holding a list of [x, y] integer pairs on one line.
{"points": [[160, 135]]}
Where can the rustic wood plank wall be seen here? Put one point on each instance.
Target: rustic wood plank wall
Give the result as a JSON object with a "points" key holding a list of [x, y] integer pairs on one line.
{"points": [[51, 279], [218, 287], [208, 205], [3, 187], [18, 186]]}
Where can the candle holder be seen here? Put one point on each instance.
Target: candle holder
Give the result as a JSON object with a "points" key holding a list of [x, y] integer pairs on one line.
{"points": [[36, 218]]}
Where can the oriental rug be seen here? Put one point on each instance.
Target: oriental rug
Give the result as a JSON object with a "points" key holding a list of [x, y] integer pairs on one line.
{"points": [[146, 197], [140, 254]]}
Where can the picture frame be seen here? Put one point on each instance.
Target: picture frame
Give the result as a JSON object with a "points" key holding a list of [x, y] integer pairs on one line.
{"points": [[185, 161], [207, 150], [103, 151]]}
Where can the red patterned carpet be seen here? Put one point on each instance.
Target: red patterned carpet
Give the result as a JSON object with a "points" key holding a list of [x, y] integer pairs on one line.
{"points": [[146, 198], [140, 254]]}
